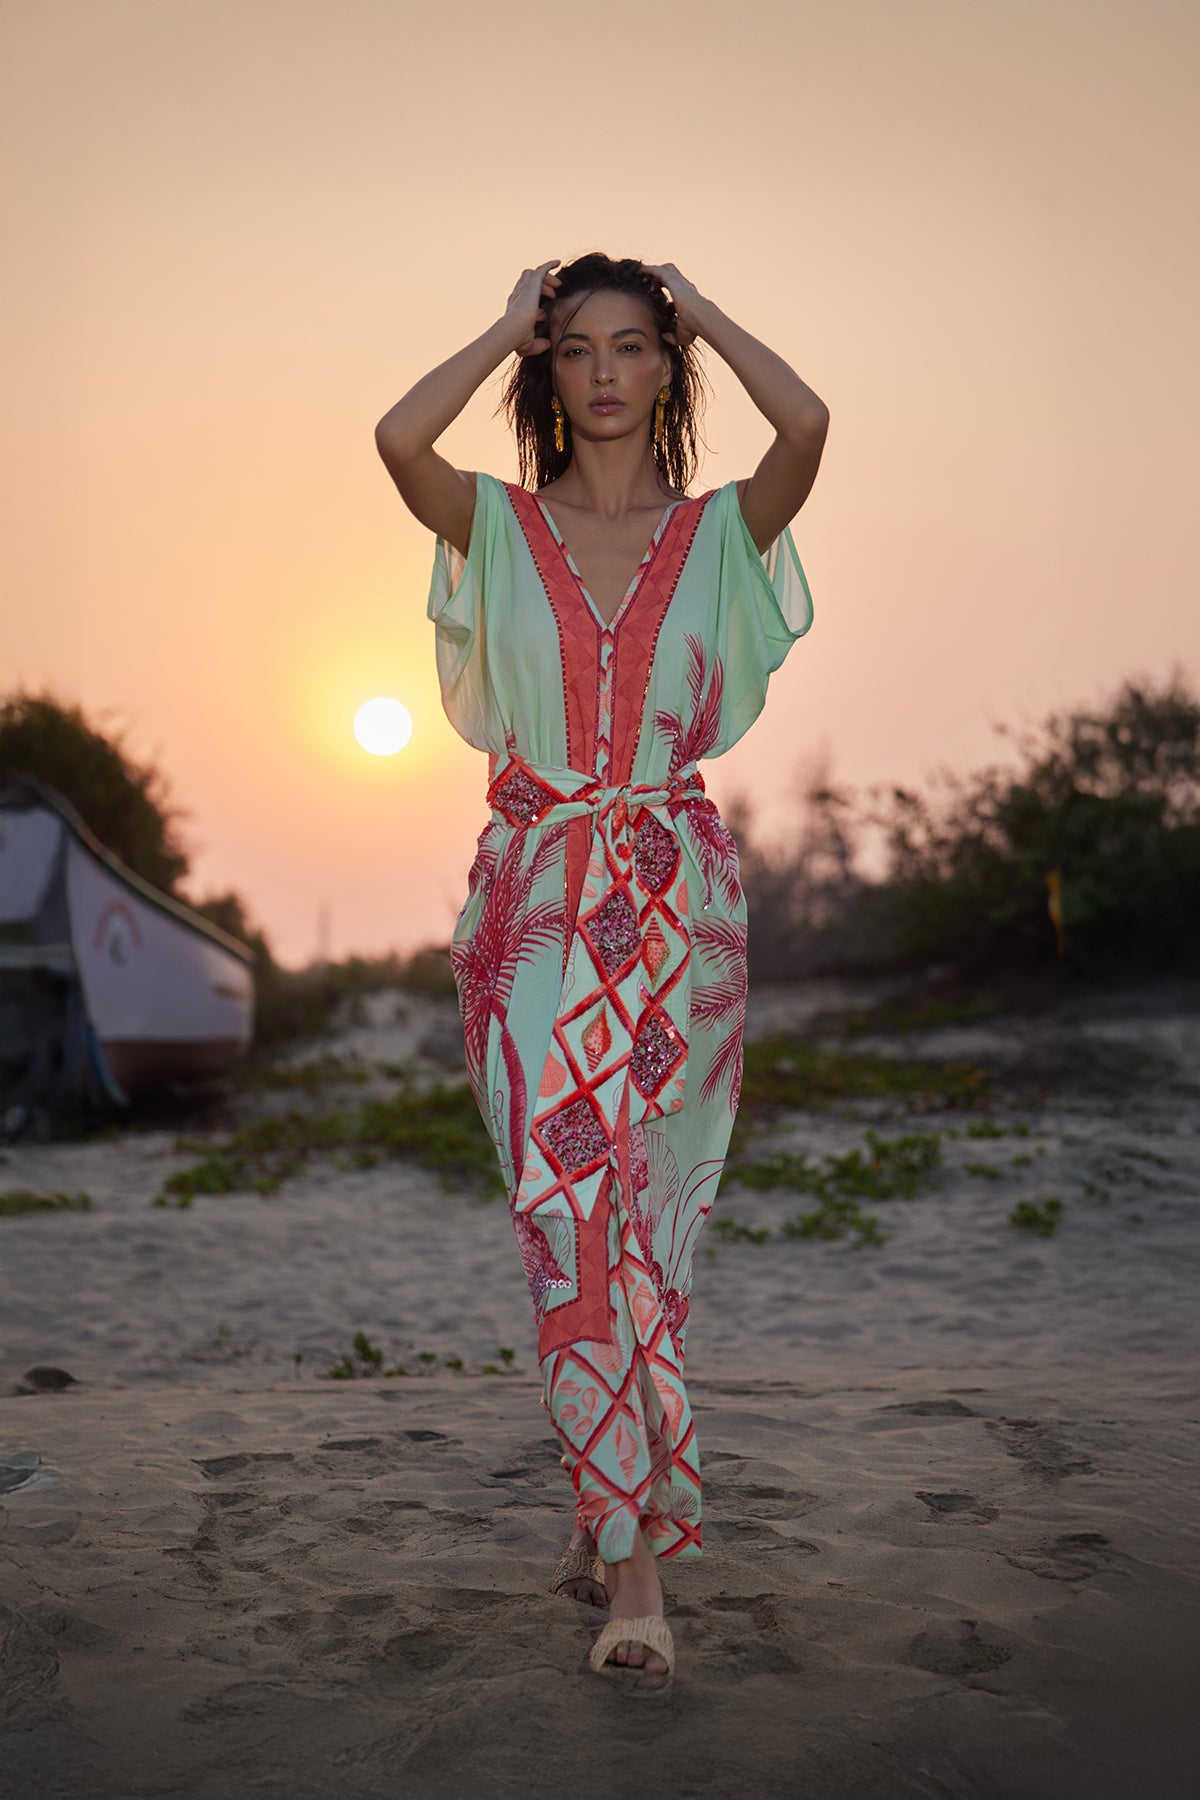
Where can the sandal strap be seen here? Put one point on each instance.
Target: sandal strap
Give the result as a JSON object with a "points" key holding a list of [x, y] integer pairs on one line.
{"points": [[575, 1564], [654, 1633]]}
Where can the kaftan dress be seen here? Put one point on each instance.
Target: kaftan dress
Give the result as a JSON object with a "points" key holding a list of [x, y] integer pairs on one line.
{"points": [[600, 955]]}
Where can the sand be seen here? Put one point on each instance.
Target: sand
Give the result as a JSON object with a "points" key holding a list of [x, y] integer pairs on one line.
{"points": [[951, 1498]]}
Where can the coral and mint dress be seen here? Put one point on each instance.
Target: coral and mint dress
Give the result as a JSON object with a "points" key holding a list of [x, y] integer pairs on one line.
{"points": [[600, 955]]}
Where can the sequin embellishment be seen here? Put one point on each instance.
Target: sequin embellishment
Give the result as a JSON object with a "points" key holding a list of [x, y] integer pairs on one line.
{"points": [[521, 797], [655, 854], [576, 1136], [613, 929], [655, 1054]]}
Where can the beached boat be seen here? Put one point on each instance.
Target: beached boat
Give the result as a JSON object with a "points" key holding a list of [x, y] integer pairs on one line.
{"points": [[107, 987]]}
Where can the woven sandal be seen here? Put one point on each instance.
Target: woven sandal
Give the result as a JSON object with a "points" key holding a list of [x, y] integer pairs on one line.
{"points": [[576, 1565], [654, 1633]]}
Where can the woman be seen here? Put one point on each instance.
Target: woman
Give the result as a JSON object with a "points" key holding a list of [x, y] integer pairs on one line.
{"points": [[597, 636]]}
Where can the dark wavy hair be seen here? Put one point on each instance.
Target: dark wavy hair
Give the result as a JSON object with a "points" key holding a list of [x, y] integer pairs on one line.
{"points": [[530, 385]]}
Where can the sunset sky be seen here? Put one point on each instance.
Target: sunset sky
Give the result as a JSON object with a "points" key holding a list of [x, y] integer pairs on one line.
{"points": [[237, 230]]}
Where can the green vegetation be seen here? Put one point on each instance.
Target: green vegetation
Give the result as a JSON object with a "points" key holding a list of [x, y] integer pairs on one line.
{"points": [[731, 1233], [366, 1360], [988, 1171], [837, 1217], [784, 1072], [439, 1128], [910, 1012], [1040, 1216], [887, 1169], [1097, 807], [14, 1201], [326, 1070], [125, 803]]}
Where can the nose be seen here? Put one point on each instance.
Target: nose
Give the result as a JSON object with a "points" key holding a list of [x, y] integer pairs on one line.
{"points": [[603, 373]]}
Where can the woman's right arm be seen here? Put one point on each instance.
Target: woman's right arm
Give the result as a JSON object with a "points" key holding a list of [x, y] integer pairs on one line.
{"points": [[437, 493]]}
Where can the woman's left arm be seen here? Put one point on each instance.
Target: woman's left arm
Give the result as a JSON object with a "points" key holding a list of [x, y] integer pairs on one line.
{"points": [[778, 488]]}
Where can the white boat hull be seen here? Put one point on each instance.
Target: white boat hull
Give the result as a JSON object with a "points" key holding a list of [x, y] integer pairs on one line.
{"points": [[140, 990]]}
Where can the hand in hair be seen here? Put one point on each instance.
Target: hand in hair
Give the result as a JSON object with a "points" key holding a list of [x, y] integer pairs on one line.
{"points": [[524, 312], [683, 297]]}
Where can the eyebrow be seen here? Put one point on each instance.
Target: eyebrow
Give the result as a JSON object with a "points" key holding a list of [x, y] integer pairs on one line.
{"points": [[626, 331]]}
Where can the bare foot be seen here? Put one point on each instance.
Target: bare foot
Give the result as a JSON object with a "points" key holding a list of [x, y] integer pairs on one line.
{"points": [[635, 1592], [582, 1587]]}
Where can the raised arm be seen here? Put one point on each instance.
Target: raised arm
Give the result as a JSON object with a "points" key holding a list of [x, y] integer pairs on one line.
{"points": [[778, 488], [437, 493]]}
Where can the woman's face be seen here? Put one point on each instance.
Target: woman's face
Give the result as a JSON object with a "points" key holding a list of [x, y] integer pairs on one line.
{"points": [[609, 363]]}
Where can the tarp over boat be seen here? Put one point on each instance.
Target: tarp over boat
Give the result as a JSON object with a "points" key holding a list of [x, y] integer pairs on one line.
{"points": [[108, 987]]}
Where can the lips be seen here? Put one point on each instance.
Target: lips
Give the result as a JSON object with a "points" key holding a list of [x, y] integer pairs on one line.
{"points": [[606, 405]]}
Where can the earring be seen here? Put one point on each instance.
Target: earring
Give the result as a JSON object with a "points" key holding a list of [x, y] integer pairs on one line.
{"points": [[556, 408], [660, 410]]}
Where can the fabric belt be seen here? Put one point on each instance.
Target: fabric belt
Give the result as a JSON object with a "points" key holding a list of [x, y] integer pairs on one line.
{"points": [[524, 793]]}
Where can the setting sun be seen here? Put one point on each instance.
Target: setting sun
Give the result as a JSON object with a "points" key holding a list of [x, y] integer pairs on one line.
{"points": [[382, 726]]}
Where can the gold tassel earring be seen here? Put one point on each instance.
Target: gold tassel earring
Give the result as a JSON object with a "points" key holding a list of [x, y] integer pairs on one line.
{"points": [[660, 413], [556, 407]]}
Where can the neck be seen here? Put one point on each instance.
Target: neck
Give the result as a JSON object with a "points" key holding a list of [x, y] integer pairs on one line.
{"points": [[611, 478]]}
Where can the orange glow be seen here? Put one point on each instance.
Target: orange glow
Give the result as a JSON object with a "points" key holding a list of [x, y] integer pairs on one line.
{"points": [[225, 267]]}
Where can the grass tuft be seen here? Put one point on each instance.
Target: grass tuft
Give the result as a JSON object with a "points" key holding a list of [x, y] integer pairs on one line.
{"points": [[14, 1201], [886, 1169], [366, 1361], [782, 1072], [1040, 1216], [730, 1232], [438, 1128], [837, 1217]]}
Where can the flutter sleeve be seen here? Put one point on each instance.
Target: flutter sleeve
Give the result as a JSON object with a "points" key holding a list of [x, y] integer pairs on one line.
{"points": [[458, 605], [763, 607]]}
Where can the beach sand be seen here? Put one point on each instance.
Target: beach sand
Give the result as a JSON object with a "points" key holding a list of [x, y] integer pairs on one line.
{"points": [[950, 1483]]}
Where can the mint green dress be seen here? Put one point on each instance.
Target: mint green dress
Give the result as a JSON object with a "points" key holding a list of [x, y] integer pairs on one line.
{"points": [[600, 955]]}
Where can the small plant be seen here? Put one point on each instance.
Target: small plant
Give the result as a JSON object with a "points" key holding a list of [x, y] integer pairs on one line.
{"points": [[732, 1233], [985, 1170], [1041, 1216], [1022, 1161], [14, 1201], [367, 1360], [837, 1217], [886, 1168], [984, 1128], [783, 1072]]}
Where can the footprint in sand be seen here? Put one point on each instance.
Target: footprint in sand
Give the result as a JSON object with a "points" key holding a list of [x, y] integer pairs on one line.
{"points": [[1045, 1455], [1075, 1556], [947, 1505], [931, 1409], [956, 1649]]}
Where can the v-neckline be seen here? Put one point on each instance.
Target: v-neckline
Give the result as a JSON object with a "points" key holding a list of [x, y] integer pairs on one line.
{"points": [[638, 574]]}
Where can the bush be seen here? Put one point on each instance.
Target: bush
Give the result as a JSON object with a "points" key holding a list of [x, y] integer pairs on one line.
{"points": [[124, 803], [1102, 807]]}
